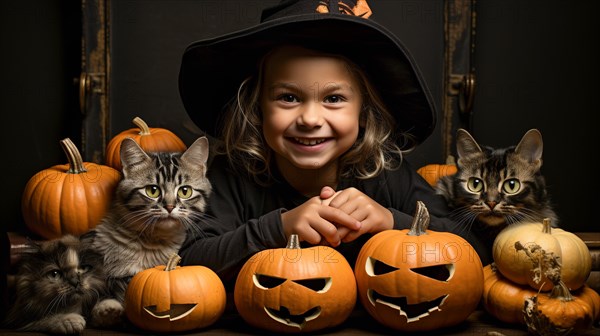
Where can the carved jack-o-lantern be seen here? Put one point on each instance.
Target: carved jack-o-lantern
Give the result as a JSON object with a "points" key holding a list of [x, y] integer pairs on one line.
{"points": [[418, 279], [295, 289], [172, 298]]}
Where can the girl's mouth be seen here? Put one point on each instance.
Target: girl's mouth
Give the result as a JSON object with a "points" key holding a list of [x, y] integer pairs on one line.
{"points": [[309, 142]]}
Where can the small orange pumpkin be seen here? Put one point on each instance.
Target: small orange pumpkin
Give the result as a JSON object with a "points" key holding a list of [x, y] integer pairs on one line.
{"points": [[418, 279], [294, 289], [149, 139], [433, 172], [171, 298], [514, 264], [69, 198]]}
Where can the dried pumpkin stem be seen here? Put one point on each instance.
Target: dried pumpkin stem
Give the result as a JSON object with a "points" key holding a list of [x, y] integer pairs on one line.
{"points": [[74, 157], [173, 262], [141, 124], [545, 263], [420, 220], [293, 242]]}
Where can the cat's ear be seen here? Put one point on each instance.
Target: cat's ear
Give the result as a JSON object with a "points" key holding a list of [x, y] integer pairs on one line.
{"points": [[131, 154], [197, 153], [465, 144], [531, 146]]}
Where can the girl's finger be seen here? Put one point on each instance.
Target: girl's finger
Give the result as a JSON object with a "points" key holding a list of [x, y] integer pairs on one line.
{"points": [[340, 218], [327, 232], [326, 192]]}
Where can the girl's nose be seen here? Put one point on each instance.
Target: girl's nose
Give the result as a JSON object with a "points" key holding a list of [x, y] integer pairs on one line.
{"points": [[311, 116]]}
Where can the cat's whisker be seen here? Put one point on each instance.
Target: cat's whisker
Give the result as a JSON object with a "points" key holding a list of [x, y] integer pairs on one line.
{"points": [[190, 224], [56, 302], [465, 217], [134, 216]]}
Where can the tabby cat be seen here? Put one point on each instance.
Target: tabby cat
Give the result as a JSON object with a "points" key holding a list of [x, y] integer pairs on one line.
{"points": [[160, 196], [495, 187], [60, 284]]}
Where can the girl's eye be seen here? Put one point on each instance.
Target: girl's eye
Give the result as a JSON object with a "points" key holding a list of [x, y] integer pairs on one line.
{"points": [[334, 99], [511, 186], [185, 192], [288, 98], [153, 191], [474, 184]]}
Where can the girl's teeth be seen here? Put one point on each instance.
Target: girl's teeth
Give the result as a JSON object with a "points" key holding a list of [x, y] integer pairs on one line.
{"points": [[309, 142]]}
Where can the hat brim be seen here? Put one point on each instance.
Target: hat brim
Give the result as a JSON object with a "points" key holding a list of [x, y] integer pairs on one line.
{"points": [[212, 69]]}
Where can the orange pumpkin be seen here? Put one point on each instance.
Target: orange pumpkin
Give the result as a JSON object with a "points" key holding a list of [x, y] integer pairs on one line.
{"points": [[294, 289], [418, 279], [503, 298], [171, 298], [517, 266], [558, 312], [149, 139], [432, 172], [69, 198]]}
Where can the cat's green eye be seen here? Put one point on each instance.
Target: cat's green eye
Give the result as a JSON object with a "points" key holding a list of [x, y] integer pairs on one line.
{"points": [[153, 191], [475, 184], [54, 274], [185, 192], [511, 186]]}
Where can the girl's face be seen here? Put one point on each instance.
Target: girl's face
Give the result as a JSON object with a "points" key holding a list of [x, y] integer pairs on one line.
{"points": [[311, 105]]}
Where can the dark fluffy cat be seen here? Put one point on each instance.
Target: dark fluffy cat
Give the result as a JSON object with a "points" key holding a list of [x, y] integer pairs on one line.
{"points": [[59, 287], [495, 187], [160, 196]]}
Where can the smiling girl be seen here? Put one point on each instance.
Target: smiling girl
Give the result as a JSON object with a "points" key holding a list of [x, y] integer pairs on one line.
{"points": [[312, 136]]}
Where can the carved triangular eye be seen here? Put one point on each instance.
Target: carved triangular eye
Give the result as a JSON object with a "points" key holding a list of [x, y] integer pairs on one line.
{"points": [[377, 267], [267, 281], [316, 284], [437, 272]]}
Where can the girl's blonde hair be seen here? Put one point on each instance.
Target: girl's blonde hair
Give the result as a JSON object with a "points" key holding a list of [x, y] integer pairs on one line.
{"points": [[378, 146]]}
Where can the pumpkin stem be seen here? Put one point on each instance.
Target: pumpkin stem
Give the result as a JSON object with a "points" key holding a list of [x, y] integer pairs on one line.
{"points": [[73, 155], [420, 220], [173, 262], [546, 228], [561, 292], [141, 124], [293, 242]]}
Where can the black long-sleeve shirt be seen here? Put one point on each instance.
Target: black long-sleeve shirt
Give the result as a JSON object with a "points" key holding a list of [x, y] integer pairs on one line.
{"points": [[245, 218]]}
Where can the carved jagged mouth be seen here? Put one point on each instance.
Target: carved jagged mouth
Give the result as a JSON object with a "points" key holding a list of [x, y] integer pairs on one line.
{"points": [[176, 311], [283, 316], [412, 312]]}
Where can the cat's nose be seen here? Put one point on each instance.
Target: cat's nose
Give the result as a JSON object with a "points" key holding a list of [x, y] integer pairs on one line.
{"points": [[491, 204], [74, 280], [170, 207]]}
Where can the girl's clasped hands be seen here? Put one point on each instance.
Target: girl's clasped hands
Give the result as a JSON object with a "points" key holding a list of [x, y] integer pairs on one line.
{"points": [[335, 217]]}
